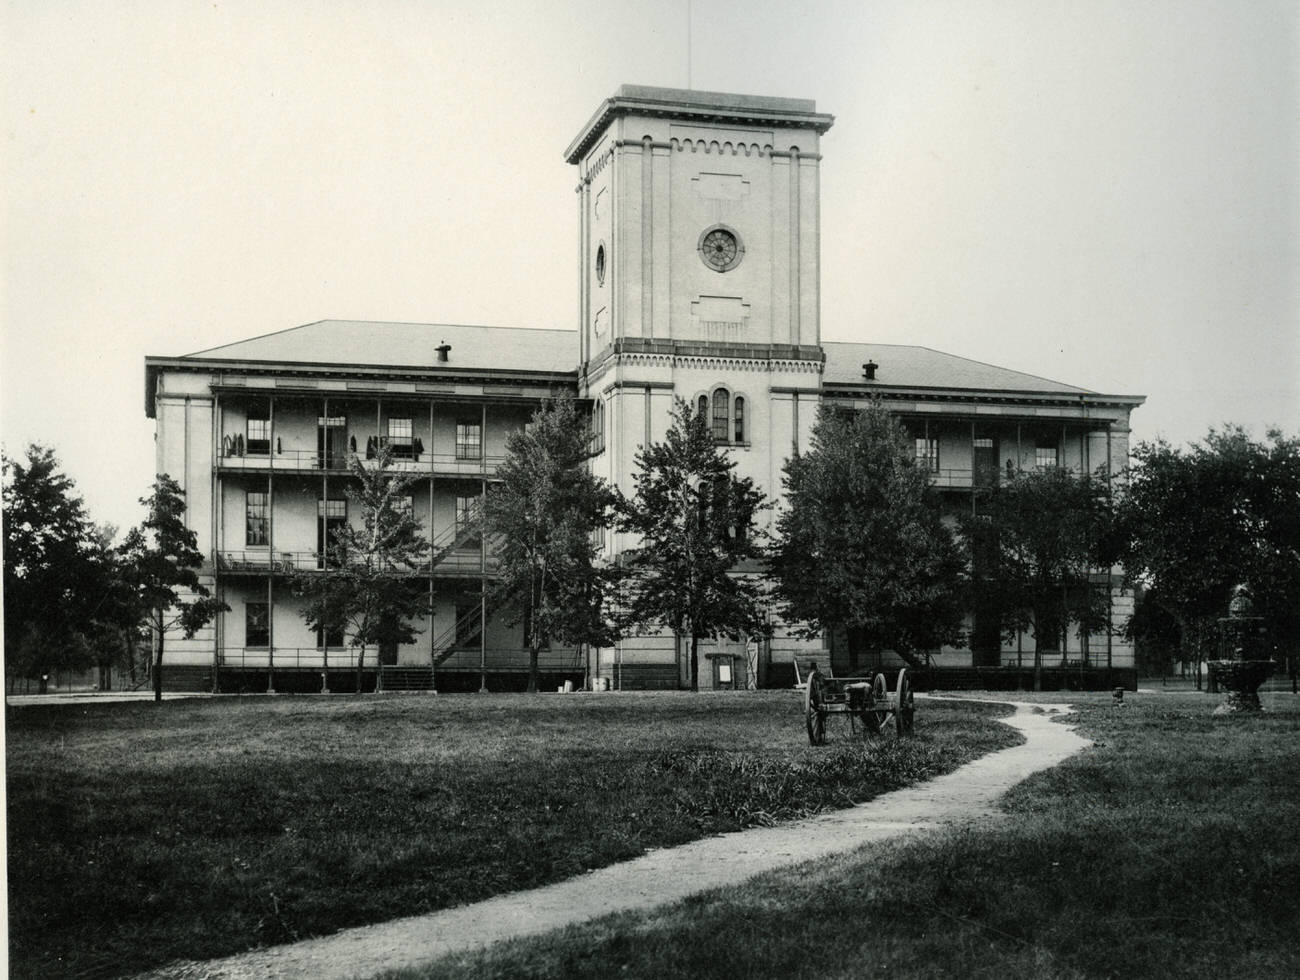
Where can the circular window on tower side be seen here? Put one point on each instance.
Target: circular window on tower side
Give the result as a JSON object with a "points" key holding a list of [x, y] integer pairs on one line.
{"points": [[720, 248], [600, 264]]}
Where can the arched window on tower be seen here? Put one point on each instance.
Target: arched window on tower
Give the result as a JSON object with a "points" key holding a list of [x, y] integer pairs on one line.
{"points": [[738, 415], [598, 427], [721, 415], [704, 406]]}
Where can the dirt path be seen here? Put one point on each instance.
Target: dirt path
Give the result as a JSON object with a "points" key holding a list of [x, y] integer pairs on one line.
{"points": [[659, 877]]}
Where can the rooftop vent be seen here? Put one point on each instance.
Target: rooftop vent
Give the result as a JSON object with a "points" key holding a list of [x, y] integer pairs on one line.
{"points": [[444, 349], [869, 370]]}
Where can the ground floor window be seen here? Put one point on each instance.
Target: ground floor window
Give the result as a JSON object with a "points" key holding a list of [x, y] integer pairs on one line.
{"points": [[467, 622], [330, 637]]}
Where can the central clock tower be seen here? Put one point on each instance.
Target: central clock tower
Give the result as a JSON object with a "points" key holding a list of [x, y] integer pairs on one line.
{"points": [[699, 273]]}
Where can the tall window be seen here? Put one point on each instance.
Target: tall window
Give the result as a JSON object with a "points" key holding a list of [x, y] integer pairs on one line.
{"points": [[256, 520], [400, 437], [598, 427], [331, 516], [725, 417], [927, 453], [466, 514], [257, 624], [1045, 457], [984, 459], [721, 415], [259, 431], [469, 440]]}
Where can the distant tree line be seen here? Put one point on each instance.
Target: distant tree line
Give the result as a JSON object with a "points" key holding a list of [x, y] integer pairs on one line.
{"points": [[74, 600]]}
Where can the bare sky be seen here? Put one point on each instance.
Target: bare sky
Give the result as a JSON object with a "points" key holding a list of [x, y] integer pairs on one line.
{"points": [[1103, 193]]}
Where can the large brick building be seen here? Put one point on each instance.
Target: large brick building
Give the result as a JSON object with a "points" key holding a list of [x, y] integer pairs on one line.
{"points": [[699, 218]]}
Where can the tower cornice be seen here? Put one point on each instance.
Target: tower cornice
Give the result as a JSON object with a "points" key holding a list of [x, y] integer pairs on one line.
{"points": [[715, 107]]}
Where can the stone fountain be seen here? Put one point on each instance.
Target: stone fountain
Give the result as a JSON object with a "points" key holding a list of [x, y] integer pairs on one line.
{"points": [[1243, 666]]}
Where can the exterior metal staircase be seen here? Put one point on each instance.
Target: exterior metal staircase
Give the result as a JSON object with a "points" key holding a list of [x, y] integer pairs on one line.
{"points": [[454, 538]]}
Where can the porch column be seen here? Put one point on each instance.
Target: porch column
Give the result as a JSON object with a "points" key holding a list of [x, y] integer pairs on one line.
{"points": [[270, 552]]}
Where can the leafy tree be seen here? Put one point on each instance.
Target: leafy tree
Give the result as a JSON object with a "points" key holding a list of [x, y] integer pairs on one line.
{"points": [[543, 516], [1034, 543], [367, 588], [695, 521], [62, 583], [114, 619], [160, 562], [1154, 633], [861, 545], [1198, 521]]}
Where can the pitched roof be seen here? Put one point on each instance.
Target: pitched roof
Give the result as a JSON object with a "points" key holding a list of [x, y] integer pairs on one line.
{"points": [[365, 343], [375, 343], [905, 366]]}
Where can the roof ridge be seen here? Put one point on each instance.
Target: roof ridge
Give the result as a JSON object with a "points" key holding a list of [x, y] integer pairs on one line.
{"points": [[260, 336], [391, 323], [963, 357]]}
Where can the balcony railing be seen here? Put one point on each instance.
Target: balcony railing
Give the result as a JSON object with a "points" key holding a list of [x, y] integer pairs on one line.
{"points": [[448, 561], [962, 478], [290, 657], [342, 658], [409, 461], [511, 659]]}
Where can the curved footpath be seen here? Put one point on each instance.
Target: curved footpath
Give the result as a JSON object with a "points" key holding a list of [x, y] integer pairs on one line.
{"points": [[662, 876]]}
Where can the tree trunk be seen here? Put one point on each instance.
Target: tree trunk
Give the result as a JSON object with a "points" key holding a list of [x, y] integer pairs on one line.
{"points": [[533, 651], [157, 667], [361, 663], [695, 661]]}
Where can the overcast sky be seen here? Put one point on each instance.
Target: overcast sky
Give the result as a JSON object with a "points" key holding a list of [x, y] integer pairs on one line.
{"points": [[1106, 194]]}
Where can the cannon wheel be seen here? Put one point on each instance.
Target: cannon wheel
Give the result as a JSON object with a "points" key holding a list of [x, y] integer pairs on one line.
{"points": [[904, 708], [874, 720], [814, 710]]}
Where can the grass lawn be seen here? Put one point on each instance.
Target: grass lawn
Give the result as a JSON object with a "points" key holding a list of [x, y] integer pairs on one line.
{"points": [[142, 833], [1169, 849]]}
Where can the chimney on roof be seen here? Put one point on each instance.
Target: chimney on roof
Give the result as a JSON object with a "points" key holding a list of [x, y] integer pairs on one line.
{"points": [[444, 349], [869, 370]]}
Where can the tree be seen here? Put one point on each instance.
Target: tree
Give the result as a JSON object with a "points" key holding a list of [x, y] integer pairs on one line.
{"points": [[695, 521], [543, 516], [861, 545], [1198, 521], [113, 620], [1034, 544], [367, 588], [161, 562], [62, 583]]}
